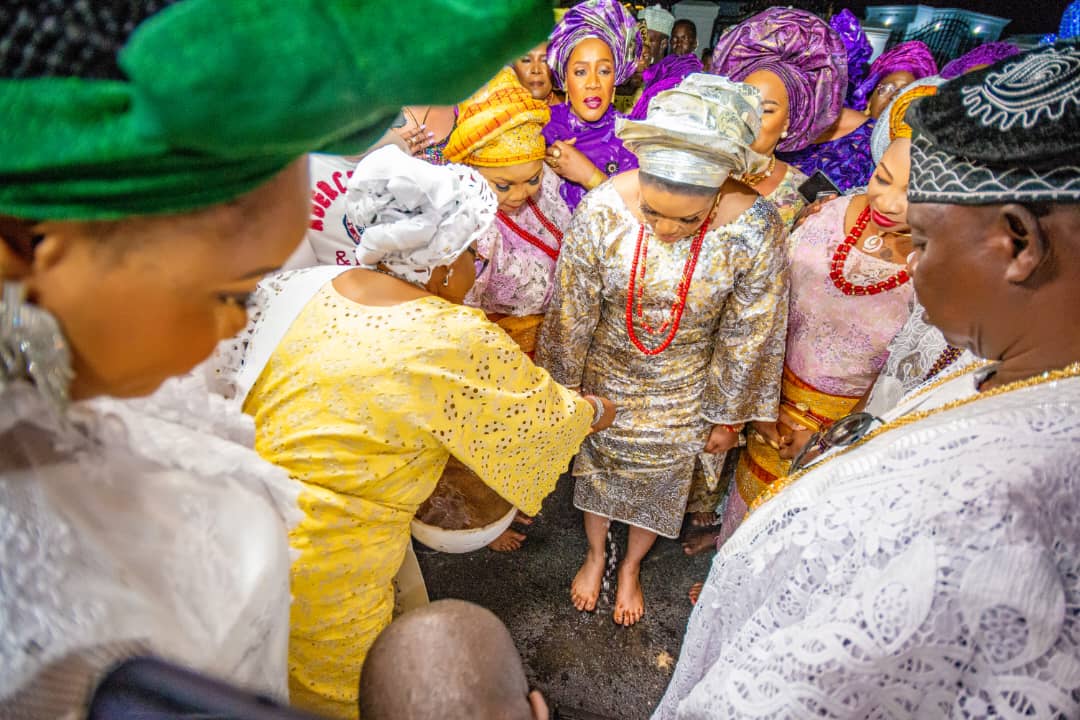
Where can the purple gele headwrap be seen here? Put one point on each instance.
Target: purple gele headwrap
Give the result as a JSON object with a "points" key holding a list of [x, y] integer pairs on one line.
{"points": [[912, 56], [859, 50], [807, 55], [986, 54], [603, 19], [662, 76]]}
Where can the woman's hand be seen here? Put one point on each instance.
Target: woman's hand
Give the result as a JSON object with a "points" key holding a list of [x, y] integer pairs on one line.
{"points": [[722, 438], [812, 209], [793, 435], [418, 139], [606, 417], [570, 163], [768, 431]]}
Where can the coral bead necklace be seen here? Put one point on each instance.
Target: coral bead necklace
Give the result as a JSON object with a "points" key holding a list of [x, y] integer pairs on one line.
{"points": [[839, 258], [635, 296], [552, 252]]}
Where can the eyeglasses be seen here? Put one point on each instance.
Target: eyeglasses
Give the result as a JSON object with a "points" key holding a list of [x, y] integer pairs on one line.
{"points": [[845, 431], [890, 89]]}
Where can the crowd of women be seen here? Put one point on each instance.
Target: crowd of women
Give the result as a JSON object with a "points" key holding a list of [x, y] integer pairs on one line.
{"points": [[663, 302]]}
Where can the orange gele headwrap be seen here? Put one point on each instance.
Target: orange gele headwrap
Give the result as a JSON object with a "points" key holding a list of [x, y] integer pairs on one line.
{"points": [[499, 126], [897, 127]]}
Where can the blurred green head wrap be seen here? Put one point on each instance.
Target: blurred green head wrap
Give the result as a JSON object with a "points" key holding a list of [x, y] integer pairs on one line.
{"points": [[218, 96]]}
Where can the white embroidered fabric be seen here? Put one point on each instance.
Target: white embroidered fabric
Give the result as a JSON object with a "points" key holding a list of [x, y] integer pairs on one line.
{"points": [[144, 525], [932, 572], [912, 353], [227, 372]]}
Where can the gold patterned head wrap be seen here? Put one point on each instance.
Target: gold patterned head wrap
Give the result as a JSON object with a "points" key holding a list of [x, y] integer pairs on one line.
{"points": [[697, 133], [892, 124], [499, 126]]}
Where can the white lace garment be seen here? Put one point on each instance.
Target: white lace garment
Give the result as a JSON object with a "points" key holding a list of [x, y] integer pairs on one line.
{"points": [[149, 524], [932, 572], [912, 354]]}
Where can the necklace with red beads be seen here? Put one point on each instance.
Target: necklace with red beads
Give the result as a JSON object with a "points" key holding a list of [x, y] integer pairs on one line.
{"points": [[839, 258], [552, 252], [635, 296]]}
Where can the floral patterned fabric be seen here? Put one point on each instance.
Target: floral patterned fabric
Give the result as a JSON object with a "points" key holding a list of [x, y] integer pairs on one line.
{"points": [[137, 526], [723, 366], [836, 343], [930, 572], [847, 161], [786, 196], [839, 343], [518, 277]]}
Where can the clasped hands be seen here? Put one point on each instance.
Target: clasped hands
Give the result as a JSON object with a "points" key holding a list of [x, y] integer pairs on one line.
{"points": [[787, 435], [571, 164]]}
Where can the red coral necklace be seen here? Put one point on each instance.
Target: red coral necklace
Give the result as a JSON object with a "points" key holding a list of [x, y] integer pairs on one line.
{"points": [[552, 252], [636, 292], [840, 256]]}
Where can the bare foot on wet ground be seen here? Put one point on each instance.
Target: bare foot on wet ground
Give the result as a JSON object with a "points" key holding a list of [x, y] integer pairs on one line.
{"points": [[698, 542], [703, 519], [510, 539], [585, 590], [629, 599], [695, 592]]}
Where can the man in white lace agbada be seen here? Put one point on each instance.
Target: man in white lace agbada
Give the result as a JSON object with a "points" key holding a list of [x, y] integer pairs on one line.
{"points": [[932, 567]]}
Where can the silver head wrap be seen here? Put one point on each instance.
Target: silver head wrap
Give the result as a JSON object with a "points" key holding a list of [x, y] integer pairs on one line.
{"points": [[413, 216], [697, 133], [658, 19]]}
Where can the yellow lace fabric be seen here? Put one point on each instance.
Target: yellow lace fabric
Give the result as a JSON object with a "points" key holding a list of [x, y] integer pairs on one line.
{"points": [[363, 405]]}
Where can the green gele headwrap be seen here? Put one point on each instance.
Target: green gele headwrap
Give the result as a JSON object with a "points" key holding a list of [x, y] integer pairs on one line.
{"points": [[220, 96]]}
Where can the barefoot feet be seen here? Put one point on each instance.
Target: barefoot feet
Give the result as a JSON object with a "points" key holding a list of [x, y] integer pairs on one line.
{"points": [[509, 541], [629, 600], [585, 589], [695, 592], [698, 542], [703, 519]]}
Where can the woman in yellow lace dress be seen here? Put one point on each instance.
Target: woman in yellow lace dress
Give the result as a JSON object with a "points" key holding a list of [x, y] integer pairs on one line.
{"points": [[379, 377]]}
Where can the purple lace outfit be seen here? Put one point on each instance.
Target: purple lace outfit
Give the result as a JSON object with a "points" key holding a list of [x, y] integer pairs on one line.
{"points": [[596, 140], [847, 160], [609, 21]]}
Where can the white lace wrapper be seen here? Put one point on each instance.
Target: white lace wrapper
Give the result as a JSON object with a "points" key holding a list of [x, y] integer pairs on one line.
{"points": [[934, 572], [152, 525]]}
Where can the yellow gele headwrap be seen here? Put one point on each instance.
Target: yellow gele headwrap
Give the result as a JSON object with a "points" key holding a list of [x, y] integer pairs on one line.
{"points": [[499, 126], [897, 127]]}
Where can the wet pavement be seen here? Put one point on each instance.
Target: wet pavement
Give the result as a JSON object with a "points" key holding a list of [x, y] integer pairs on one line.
{"points": [[580, 661]]}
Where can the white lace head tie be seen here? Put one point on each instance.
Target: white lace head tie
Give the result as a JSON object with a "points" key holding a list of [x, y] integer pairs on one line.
{"points": [[414, 217]]}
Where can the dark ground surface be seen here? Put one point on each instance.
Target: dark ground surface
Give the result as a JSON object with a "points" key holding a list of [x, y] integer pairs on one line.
{"points": [[578, 660]]}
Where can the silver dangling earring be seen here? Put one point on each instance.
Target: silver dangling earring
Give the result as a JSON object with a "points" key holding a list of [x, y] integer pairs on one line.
{"points": [[33, 348], [446, 279]]}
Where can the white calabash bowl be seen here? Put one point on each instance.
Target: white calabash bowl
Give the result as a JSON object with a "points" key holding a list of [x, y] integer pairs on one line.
{"points": [[461, 541]]}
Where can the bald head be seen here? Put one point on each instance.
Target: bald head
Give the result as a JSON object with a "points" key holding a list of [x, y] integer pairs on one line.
{"points": [[448, 660]]}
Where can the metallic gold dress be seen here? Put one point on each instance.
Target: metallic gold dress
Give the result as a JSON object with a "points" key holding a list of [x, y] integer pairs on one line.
{"points": [[724, 365]]}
